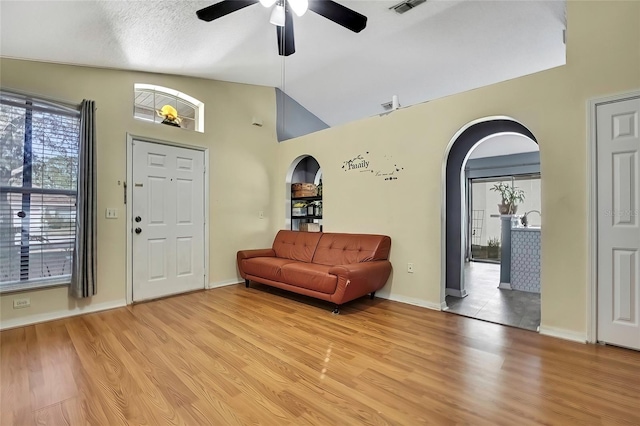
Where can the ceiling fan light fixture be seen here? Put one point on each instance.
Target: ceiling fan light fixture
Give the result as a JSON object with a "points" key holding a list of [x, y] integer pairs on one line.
{"points": [[299, 6], [282, 17], [277, 16]]}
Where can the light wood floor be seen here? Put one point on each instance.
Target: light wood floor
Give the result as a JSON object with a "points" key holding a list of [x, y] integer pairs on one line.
{"points": [[260, 356]]}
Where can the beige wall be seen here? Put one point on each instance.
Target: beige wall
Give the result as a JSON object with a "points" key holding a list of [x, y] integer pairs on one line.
{"points": [[242, 161], [603, 57], [248, 168]]}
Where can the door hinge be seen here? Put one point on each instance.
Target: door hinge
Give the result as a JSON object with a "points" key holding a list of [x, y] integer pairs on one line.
{"points": [[124, 187]]}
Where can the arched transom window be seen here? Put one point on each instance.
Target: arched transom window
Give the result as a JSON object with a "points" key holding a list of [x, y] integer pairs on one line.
{"points": [[168, 106]]}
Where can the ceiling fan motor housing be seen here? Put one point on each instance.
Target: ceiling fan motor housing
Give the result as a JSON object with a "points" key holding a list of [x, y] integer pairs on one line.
{"points": [[335, 12]]}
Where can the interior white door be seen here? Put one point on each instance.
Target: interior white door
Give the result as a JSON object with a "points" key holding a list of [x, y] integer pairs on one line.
{"points": [[618, 148], [168, 220]]}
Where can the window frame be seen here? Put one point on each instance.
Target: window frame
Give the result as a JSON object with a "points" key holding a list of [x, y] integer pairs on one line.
{"points": [[176, 94], [56, 108]]}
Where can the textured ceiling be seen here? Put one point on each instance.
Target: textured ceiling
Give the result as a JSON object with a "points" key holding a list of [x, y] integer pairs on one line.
{"points": [[437, 49]]}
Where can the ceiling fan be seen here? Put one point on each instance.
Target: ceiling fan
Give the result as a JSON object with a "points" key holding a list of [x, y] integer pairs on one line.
{"points": [[281, 16]]}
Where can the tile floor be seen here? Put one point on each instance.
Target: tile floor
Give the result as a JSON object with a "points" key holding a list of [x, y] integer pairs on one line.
{"points": [[487, 302]]}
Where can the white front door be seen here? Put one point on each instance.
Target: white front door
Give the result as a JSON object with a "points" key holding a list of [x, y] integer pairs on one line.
{"points": [[168, 220], [618, 148]]}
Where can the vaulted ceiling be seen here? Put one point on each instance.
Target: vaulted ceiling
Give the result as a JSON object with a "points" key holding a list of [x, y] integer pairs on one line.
{"points": [[439, 48]]}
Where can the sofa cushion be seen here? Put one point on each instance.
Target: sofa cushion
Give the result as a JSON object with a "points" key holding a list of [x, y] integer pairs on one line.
{"points": [[310, 276], [344, 249], [296, 245], [265, 267]]}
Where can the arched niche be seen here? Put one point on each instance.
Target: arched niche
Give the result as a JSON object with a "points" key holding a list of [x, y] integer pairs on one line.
{"points": [[458, 151], [303, 169]]}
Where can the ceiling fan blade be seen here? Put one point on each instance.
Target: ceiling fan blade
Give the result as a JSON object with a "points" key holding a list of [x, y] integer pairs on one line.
{"points": [[223, 8], [286, 44], [339, 14]]}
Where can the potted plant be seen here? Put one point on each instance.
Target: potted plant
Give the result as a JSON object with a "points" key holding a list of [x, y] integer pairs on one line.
{"points": [[511, 196], [493, 251]]}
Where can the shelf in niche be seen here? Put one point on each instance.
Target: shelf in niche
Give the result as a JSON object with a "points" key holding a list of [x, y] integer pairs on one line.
{"points": [[305, 170], [315, 198]]}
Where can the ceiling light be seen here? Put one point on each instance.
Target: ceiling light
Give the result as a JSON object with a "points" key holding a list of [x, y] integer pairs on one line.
{"points": [[299, 6], [267, 3], [277, 16]]}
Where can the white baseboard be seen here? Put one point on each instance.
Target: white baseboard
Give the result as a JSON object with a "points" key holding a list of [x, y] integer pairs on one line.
{"points": [[225, 283], [416, 302], [50, 316], [455, 292], [505, 286], [563, 334]]}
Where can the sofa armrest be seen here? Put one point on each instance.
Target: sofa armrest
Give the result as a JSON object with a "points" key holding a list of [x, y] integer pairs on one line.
{"points": [[248, 254], [357, 279]]}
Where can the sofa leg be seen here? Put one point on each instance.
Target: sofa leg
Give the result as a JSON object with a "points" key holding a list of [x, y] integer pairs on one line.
{"points": [[373, 295], [246, 283], [336, 310]]}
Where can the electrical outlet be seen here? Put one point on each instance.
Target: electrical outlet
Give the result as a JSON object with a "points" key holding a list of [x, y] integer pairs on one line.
{"points": [[410, 268], [25, 302], [261, 214], [111, 213]]}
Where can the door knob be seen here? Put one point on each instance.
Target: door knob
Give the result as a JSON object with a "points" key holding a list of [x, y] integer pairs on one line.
{"points": [[138, 219], [138, 230]]}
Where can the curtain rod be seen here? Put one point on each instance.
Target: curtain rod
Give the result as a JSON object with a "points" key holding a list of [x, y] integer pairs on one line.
{"points": [[70, 105]]}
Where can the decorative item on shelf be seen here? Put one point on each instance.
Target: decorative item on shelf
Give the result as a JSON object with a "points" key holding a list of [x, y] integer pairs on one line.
{"points": [[170, 116], [320, 188], [511, 196], [317, 208], [299, 209], [303, 190], [309, 227], [310, 209]]}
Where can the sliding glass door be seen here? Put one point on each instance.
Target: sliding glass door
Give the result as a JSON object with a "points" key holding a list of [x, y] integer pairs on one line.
{"points": [[483, 218]]}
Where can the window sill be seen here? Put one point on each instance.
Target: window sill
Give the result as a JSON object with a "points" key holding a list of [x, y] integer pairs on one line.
{"points": [[35, 285]]}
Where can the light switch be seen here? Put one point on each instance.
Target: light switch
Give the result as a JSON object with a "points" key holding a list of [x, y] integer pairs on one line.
{"points": [[111, 213]]}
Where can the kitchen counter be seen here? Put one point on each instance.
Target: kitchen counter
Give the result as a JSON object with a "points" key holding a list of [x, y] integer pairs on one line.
{"points": [[525, 259]]}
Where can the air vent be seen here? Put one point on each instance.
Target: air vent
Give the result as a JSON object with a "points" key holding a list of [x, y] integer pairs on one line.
{"points": [[406, 6], [392, 105]]}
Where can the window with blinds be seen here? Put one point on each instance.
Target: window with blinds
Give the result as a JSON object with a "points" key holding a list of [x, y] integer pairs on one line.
{"points": [[38, 187]]}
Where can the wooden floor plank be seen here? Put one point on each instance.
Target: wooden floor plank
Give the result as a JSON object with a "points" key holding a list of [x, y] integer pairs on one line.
{"points": [[239, 356], [15, 395]]}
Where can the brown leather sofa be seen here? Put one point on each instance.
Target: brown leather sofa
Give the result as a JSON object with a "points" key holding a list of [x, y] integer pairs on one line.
{"points": [[329, 266]]}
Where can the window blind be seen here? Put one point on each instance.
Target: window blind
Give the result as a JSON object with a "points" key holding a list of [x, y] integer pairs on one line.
{"points": [[38, 187]]}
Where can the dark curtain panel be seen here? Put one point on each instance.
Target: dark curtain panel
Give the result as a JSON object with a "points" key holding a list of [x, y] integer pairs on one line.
{"points": [[83, 276]]}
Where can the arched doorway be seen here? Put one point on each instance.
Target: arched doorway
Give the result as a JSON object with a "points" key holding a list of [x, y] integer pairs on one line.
{"points": [[455, 192], [304, 169]]}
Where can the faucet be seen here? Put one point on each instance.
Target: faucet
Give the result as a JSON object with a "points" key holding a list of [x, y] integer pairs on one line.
{"points": [[525, 221]]}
